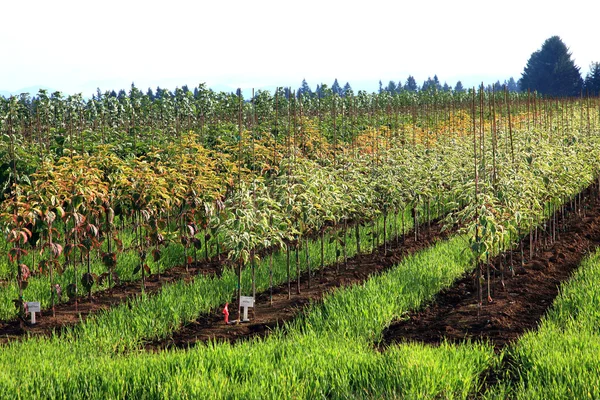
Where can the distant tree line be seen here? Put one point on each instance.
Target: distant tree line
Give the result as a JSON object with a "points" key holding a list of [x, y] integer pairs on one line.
{"points": [[410, 85], [549, 71]]}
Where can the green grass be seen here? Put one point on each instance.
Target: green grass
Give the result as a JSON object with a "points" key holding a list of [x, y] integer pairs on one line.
{"points": [[327, 353]]}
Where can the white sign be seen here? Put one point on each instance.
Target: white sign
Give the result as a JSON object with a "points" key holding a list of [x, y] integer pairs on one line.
{"points": [[245, 302], [33, 307]]}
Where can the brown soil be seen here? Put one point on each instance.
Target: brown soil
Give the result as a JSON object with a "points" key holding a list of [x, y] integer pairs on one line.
{"points": [[516, 308], [264, 317], [69, 313]]}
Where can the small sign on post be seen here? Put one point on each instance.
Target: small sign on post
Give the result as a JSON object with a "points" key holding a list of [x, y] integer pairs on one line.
{"points": [[32, 308], [245, 303]]}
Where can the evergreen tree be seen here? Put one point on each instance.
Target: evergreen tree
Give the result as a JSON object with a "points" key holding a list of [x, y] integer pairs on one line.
{"points": [[436, 82], [304, 90], [150, 94], [399, 87], [410, 85], [347, 89], [497, 87], [380, 86], [319, 91], [592, 80], [459, 87], [551, 71], [391, 87], [512, 85], [431, 84], [446, 88], [336, 88], [287, 92]]}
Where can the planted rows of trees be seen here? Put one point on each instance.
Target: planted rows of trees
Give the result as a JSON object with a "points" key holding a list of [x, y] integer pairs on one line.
{"points": [[54, 125], [77, 209], [250, 175], [500, 177]]}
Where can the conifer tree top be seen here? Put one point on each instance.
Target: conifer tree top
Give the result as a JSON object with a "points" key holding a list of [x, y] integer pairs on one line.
{"points": [[551, 71]]}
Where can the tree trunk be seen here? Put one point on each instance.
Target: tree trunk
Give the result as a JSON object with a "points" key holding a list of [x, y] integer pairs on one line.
{"points": [[239, 290]]}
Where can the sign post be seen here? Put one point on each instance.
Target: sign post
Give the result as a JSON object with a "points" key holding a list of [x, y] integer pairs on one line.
{"points": [[246, 302], [33, 307]]}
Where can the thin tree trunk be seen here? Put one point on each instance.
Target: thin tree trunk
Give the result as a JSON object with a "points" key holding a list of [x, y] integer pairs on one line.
{"points": [[307, 253], [298, 266], [289, 272], [239, 290]]}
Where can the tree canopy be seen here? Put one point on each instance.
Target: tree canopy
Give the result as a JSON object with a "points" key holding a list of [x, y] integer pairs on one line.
{"points": [[592, 80], [551, 71], [411, 84]]}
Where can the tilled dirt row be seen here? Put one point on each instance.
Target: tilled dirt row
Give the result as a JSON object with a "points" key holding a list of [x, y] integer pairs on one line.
{"points": [[515, 307]]}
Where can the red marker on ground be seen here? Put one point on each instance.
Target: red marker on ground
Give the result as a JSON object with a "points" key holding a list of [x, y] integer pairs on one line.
{"points": [[226, 313]]}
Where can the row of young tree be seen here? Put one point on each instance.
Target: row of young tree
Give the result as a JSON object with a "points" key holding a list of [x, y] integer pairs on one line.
{"points": [[53, 125]]}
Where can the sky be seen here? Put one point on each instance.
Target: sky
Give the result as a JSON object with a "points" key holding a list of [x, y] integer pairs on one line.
{"points": [[77, 46]]}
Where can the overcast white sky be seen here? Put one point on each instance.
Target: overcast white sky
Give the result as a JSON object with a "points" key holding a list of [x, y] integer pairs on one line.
{"points": [[77, 45]]}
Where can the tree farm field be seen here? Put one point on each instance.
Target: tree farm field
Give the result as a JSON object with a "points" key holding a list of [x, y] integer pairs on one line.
{"points": [[426, 244]]}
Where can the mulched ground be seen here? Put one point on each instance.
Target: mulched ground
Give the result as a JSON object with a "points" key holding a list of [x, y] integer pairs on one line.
{"points": [[516, 308]]}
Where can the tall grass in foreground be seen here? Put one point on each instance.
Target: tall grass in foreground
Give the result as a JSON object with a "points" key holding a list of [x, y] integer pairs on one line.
{"points": [[327, 353]]}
